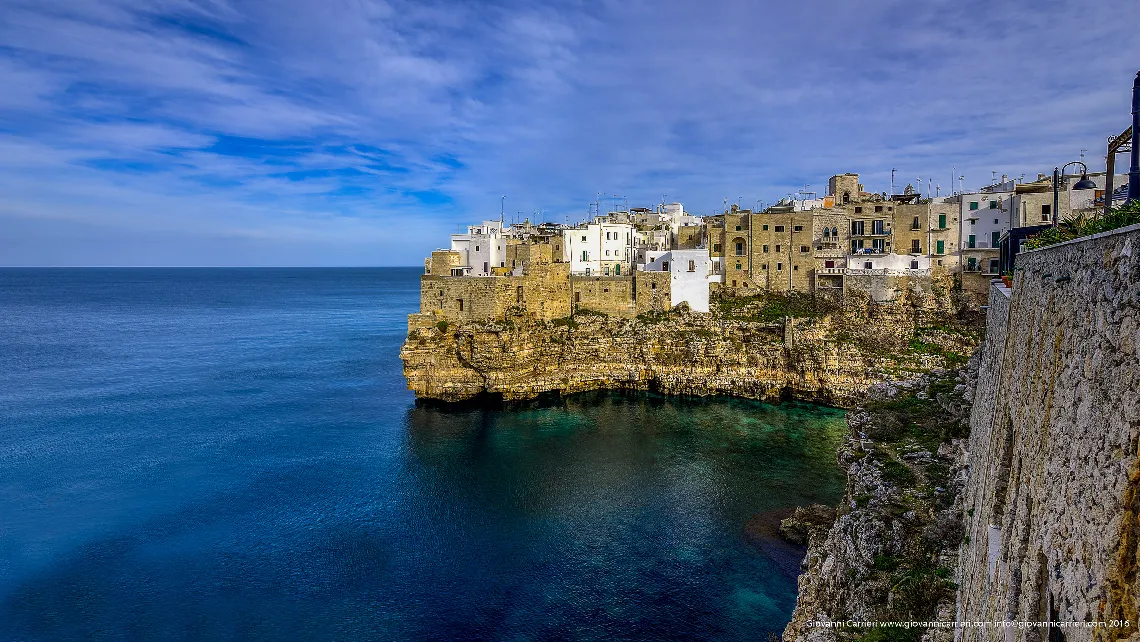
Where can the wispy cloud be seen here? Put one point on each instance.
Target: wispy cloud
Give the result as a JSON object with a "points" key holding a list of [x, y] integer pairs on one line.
{"points": [[363, 131]]}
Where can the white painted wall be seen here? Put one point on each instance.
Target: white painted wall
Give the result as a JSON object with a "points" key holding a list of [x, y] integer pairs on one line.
{"points": [[984, 221], [598, 247], [688, 276], [483, 247]]}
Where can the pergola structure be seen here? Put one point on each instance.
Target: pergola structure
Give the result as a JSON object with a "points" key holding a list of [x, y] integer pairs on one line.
{"points": [[1116, 145]]}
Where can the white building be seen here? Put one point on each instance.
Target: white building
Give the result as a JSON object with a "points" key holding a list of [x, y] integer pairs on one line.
{"points": [[689, 276], [983, 216], [482, 248], [599, 248]]}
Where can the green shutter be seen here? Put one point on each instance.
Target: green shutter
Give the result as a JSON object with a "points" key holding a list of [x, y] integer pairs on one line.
{"points": [[973, 205], [941, 221], [941, 247]]}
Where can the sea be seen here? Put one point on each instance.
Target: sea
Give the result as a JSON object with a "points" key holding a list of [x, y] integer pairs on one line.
{"points": [[233, 454]]}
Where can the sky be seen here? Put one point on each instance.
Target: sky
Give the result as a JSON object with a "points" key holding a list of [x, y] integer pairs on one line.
{"points": [[361, 132]]}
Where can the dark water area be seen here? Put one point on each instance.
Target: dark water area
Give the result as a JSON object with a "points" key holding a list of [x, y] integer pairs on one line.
{"points": [[233, 454]]}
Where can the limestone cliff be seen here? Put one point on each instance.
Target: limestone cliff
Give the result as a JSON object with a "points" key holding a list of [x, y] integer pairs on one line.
{"points": [[892, 551], [760, 347], [1037, 520]]}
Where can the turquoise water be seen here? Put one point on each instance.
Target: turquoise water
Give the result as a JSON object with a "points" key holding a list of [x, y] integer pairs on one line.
{"points": [[232, 454]]}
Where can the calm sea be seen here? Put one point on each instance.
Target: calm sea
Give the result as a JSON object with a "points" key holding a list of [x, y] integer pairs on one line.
{"points": [[232, 454]]}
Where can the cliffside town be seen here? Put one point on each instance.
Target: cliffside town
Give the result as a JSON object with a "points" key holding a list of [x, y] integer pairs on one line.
{"points": [[517, 311]]}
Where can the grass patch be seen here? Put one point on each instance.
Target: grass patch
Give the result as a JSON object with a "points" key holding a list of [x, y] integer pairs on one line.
{"points": [[770, 307], [565, 322]]}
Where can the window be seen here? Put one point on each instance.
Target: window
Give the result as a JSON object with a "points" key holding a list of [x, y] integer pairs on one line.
{"points": [[798, 228], [795, 268], [941, 221], [878, 208], [941, 247], [653, 286], [1046, 212], [995, 238], [777, 249], [829, 264], [606, 272], [740, 248], [764, 228], [878, 245], [856, 246], [738, 266], [734, 283], [737, 228], [858, 209], [583, 239], [856, 228], [779, 266], [877, 227], [914, 224], [460, 302], [607, 252], [867, 265], [993, 205], [993, 266], [914, 265], [577, 297], [665, 266], [971, 264], [765, 248], [476, 248], [764, 267], [692, 266], [973, 205], [803, 249], [970, 243], [485, 267], [779, 228], [716, 247], [915, 246]]}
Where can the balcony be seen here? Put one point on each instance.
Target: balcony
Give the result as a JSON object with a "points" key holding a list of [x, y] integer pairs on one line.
{"points": [[872, 234], [831, 271]]}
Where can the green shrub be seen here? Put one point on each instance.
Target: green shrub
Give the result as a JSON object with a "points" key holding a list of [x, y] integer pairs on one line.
{"points": [[1081, 225], [442, 325]]}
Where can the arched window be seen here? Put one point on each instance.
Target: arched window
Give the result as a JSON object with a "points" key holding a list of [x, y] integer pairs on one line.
{"points": [[846, 197]]}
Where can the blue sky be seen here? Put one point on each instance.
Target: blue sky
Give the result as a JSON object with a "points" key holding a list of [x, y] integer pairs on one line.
{"points": [[338, 132]]}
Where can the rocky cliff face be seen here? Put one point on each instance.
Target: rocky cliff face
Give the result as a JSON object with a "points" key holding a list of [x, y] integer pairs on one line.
{"points": [[758, 348], [891, 553], [1034, 518]]}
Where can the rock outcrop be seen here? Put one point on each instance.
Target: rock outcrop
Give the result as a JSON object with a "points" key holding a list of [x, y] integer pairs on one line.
{"points": [[891, 552], [766, 348]]}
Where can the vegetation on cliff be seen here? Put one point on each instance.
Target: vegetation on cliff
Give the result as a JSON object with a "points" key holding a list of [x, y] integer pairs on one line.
{"points": [[891, 549]]}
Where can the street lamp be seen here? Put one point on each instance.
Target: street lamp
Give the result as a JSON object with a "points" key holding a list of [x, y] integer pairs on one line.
{"points": [[1134, 165], [1084, 183]]}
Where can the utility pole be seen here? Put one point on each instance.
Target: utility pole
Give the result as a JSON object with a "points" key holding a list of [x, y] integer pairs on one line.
{"points": [[893, 170], [1134, 158]]}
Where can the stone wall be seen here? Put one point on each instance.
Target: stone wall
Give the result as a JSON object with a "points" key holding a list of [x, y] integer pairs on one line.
{"points": [[1052, 496], [543, 291]]}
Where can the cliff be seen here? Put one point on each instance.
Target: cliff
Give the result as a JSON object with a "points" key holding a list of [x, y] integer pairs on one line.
{"points": [[1032, 518], [891, 553], [765, 347]]}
